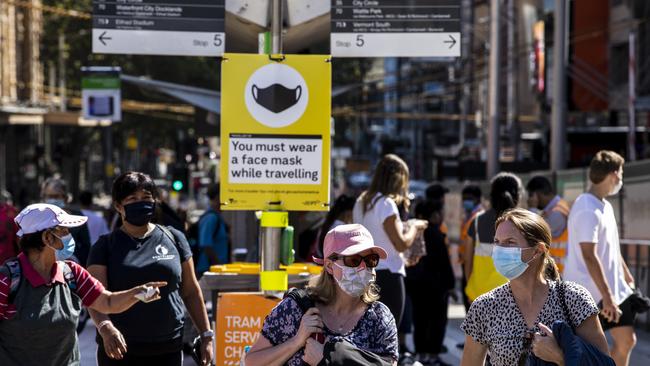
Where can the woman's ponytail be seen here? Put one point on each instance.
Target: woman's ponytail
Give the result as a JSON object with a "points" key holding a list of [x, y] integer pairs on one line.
{"points": [[551, 271]]}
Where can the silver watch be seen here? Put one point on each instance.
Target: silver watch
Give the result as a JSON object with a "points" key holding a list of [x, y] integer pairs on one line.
{"points": [[208, 334]]}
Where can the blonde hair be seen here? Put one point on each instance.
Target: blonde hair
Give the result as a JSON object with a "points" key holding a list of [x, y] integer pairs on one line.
{"points": [[390, 179], [322, 288], [535, 230]]}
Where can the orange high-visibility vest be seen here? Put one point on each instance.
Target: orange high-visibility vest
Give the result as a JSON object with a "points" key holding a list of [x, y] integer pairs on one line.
{"points": [[559, 244], [464, 228]]}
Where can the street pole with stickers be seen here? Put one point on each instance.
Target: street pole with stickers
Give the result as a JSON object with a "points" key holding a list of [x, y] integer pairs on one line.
{"points": [[272, 280], [275, 144]]}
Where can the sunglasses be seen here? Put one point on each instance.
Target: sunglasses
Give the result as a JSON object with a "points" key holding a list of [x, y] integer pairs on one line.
{"points": [[371, 260]]}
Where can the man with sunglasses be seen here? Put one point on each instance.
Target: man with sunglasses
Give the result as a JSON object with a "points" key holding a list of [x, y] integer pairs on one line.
{"points": [[346, 310]]}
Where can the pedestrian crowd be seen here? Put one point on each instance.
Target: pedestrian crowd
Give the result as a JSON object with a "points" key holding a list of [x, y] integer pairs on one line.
{"points": [[542, 280], [63, 264]]}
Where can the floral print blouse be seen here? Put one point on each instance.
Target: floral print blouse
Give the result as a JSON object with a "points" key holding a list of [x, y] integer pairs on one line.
{"points": [[375, 331]]}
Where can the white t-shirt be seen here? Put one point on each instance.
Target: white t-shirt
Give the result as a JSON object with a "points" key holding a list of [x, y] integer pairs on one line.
{"points": [[373, 220], [592, 220]]}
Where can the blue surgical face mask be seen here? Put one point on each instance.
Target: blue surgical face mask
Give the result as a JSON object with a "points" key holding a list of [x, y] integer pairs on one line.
{"points": [[56, 202], [507, 261], [68, 247], [468, 205]]}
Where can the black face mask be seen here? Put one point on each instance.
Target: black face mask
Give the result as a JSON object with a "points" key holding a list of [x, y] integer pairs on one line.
{"points": [[277, 98], [139, 213]]}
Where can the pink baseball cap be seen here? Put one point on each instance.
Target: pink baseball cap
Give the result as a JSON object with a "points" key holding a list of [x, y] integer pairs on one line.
{"points": [[349, 240]]}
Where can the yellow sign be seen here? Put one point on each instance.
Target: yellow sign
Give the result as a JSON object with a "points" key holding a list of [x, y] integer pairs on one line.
{"points": [[275, 132], [239, 319]]}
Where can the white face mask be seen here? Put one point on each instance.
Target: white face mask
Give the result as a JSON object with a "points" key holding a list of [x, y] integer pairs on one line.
{"points": [[617, 188], [353, 281]]}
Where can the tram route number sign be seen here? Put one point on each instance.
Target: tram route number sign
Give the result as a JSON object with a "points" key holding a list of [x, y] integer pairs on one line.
{"points": [[159, 27], [395, 28]]}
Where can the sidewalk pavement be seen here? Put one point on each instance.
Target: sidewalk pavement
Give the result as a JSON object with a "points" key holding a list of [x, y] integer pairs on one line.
{"points": [[88, 347], [454, 336]]}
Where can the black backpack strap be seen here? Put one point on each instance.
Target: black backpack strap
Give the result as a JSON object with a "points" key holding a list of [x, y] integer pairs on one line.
{"points": [[11, 269], [167, 233], [300, 296]]}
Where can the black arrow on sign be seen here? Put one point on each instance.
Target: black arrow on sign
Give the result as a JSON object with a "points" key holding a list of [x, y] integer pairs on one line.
{"points": [[452, 41], [102, 38]]}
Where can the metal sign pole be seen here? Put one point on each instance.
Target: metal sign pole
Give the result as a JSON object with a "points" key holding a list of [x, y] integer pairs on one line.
{"points": [[494, 110], [272, 280], [631, 133], [559, 113], [276, 27]]}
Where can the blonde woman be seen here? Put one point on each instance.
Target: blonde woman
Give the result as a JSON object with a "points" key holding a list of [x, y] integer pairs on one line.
{"points": [[377, 210], [513, 320], [346, 308]]}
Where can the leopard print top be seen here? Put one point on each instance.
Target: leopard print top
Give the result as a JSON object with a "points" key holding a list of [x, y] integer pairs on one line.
{"points": [[495, 321]]}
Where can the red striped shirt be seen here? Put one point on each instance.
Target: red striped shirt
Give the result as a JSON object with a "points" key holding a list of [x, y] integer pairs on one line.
{"points": [[88, 288]]}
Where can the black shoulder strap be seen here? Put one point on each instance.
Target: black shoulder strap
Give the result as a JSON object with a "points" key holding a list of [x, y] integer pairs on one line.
{"points": [[301, 296], [167, 233]]}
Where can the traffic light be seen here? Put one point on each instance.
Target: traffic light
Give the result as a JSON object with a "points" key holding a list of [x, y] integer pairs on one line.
{"points": [[177, 185], [179, 179]]}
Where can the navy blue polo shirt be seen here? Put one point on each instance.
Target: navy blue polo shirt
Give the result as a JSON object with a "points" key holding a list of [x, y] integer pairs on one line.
{"points": [[154, 326]]}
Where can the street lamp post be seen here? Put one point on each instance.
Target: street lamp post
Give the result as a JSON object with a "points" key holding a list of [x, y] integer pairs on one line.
{"points": [[494, 110], [559, 113]]}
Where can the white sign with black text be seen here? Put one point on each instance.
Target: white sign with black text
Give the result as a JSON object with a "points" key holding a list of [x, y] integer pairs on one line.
{"points": [[268, 159], [395, 28], [153, 27]]}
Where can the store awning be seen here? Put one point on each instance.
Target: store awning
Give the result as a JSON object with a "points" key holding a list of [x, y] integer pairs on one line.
{"points": [[21, 115]]}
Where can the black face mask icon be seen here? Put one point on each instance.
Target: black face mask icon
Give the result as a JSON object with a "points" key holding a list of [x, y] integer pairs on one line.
{"points": [[277, 97]]}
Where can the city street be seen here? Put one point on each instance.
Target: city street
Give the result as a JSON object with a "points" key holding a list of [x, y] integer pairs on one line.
{"points": [[88, 347], [161, 159]]}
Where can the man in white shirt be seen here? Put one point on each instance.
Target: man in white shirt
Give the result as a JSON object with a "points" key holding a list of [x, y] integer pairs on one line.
{"points": [[594, 256]]}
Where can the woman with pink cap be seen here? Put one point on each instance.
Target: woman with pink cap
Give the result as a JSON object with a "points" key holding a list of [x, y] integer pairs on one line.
{"points": [[345, 308], [41, 293]]}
